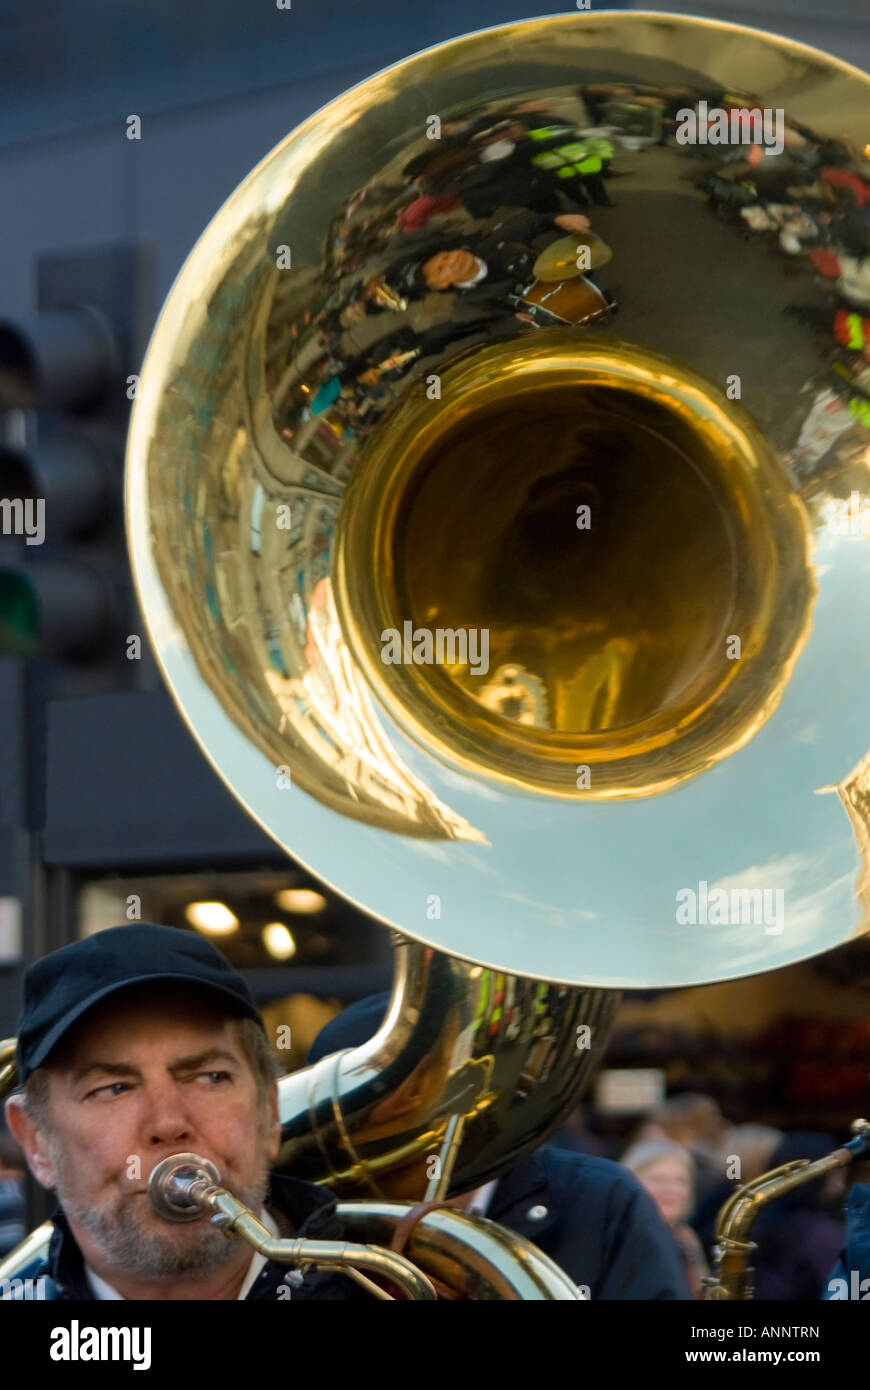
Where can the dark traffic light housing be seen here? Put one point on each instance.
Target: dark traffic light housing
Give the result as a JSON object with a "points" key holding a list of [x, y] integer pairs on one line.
{"points": [[67, 380]]}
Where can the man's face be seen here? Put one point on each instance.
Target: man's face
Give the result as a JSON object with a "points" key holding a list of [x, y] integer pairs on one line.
{"points": [[447, 268], [668, 1183], [152, 1073]]}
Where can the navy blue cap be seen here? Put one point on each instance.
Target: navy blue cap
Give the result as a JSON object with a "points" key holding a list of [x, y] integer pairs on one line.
{"points": [[351, 1028], [65, 984]]}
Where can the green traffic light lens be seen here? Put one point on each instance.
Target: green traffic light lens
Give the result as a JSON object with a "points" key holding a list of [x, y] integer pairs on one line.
{"points": [[19, 615]]}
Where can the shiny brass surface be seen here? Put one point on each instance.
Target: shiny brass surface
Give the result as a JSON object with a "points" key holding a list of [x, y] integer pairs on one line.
{"points": [[193, 1182], [732, 1277], [475, 1258], [33, 1247], [509, 1057], [297, 487], [646, 706], [7, 1064]]}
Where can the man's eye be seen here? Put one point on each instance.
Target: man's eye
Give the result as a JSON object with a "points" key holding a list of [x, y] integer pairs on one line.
{"points": [[114, 1088], [214, 1076]]}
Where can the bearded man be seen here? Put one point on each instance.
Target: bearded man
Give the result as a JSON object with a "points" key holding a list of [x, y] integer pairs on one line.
{"points": [[134, 1044]]}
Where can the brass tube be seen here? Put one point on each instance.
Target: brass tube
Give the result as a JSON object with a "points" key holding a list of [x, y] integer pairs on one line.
{"points": [[733, 1275], [458, 1041], [7, 1065], [439, 1185], [236, 1219], [475, 1257], [33, 1247]]}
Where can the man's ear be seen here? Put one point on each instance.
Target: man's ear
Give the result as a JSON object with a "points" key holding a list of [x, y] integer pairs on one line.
{"points": [[24, 1129]]}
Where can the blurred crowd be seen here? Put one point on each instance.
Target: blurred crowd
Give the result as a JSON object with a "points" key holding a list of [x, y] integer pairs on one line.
{"points": [[690, 1158]]}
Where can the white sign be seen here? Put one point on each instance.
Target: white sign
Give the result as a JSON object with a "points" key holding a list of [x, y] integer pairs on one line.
{"points": [[10, 931], [630, 1091]]}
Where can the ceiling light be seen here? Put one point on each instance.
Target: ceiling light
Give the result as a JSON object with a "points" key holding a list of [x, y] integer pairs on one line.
{"points": [[300, 900], [212, 917], [278, 941]]}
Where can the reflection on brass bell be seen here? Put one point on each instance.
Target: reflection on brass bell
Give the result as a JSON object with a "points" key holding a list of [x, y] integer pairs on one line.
{"points": [[559, 261]]}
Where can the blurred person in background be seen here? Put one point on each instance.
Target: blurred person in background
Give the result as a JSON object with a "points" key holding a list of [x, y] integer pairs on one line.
{"points": [[695, 1122], [752, 1146], [799, 1236], [667, 1171], [12, 1229], [690, 1119]]}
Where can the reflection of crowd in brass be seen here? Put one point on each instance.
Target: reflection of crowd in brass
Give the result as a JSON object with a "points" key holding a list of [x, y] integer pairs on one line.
{"points": [[452, 255], [489, 229], [811, 201]]}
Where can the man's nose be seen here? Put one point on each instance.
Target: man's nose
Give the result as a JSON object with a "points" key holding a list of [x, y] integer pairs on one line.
{"points": [[165, 1118]]}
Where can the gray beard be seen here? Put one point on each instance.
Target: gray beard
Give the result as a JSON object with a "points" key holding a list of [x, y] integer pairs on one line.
{"points": [[143, 1253]]}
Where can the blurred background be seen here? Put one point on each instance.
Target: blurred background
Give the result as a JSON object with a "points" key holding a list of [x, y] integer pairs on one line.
{"points": [[108, 811]]}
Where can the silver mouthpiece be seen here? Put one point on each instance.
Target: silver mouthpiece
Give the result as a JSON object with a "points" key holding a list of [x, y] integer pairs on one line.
{"points": [[170, 1186]]}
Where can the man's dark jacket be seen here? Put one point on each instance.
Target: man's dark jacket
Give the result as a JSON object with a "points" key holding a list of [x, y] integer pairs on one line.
{"points": [[297, 1207], [594, 1219], [853, 1267]]}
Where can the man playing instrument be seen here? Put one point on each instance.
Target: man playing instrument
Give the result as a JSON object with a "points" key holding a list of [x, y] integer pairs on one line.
{"points": [[137, 1043]]}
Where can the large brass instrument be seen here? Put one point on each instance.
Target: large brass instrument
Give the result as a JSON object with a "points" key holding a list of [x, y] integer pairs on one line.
{"points": [[732, 1277], [511, 607]]}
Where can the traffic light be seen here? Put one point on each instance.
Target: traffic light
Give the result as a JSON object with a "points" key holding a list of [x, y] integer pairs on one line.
{"points": [[67, 380]]}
